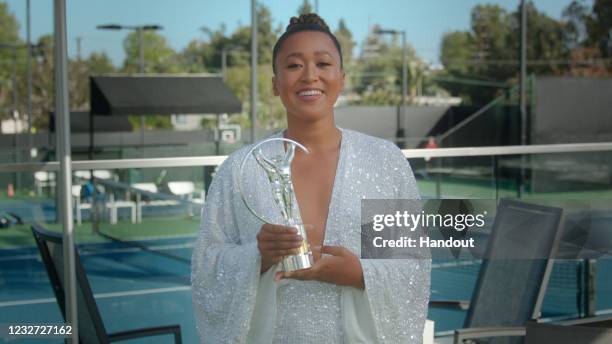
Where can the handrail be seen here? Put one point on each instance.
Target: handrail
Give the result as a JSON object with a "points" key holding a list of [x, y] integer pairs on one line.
{"points": [[218, 159]]}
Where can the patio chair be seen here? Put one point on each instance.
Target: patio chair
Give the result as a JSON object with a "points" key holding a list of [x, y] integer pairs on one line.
{"points": [[509, 292], [186, 189], [596, 330], [112, 204], [90, 325], [150, 190], [44, 179]]}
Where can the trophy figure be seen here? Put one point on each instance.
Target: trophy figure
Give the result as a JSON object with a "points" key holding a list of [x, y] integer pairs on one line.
{"points": [[278, 171]]}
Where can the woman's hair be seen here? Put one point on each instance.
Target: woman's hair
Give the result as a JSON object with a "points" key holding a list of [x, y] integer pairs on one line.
{"points": [[305, 22]]}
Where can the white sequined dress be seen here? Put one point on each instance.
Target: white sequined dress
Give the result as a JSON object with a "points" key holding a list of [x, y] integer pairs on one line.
{"points": [[234, 303]]}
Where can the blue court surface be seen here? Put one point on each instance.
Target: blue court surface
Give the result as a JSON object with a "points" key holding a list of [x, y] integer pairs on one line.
{"points": [[138, 287], [134, 288]]}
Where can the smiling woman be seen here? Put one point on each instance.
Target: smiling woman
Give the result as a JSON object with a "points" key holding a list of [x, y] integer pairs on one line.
{"points": [[308, 70], [239, 294]]}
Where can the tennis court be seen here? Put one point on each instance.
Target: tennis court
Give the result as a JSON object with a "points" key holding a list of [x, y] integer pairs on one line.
{"points": [[141, 278]]}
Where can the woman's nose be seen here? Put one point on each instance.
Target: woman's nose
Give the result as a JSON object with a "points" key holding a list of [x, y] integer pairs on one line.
{"points": [[310, 73]]}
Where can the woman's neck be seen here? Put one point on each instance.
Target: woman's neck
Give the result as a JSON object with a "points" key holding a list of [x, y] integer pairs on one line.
{"points": [[317, 136]]}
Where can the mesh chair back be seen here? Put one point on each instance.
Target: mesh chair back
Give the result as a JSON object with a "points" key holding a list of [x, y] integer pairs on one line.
{"points": [[510, 291], [90, 326]]}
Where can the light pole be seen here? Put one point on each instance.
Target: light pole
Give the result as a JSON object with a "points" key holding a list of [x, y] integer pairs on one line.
{"points": [[141, 62], [522, 92], [400, 129], [29, 79], [253, 68]]}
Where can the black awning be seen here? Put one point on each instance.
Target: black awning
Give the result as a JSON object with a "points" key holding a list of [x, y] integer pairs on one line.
{"points": [[79, 123], [161, 95]]}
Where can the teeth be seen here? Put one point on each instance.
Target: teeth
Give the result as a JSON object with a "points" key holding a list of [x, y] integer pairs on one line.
{"points": [[309, 93]]}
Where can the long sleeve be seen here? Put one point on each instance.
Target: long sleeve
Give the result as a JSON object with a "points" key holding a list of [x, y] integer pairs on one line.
{"points": [[397, 290], [225, 270]]}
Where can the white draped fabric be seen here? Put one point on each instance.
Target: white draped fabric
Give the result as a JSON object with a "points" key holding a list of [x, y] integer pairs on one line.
{"points": [[234, 303]]}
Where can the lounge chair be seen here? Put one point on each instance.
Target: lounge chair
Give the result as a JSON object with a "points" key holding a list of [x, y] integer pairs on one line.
{"points": [[112, 204], [90, 325], [509, 292], [186, 189]]}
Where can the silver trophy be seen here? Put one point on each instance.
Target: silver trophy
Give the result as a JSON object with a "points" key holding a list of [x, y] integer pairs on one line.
{"points": [[278, 170]]}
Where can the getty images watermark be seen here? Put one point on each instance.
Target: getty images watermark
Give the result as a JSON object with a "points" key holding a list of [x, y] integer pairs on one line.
{"points": [[485, 229]]}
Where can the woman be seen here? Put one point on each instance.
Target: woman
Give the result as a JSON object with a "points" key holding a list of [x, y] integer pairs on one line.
{"points": [[239, 297]]}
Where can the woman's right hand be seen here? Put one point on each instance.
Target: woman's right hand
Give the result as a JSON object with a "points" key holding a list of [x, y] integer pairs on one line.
{"points": [[275, 242]]}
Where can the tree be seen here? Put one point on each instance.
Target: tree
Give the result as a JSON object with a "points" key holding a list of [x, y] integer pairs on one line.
{"points": [[271, 113], [457, 47], [588, 36], [42, 82], [238, 44], [79, 73], [193, 58], [546, 42], [305, 8], [345, 38], [577, 17], [158, 56], [99, 63], [9, 35], [601, 29], [379, 72], [489, 51], [266, 37], [491, 32]]}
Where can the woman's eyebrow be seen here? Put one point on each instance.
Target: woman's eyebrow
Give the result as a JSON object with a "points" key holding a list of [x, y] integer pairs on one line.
{"points": [[323, 52], [293, 55], [318, 52]]}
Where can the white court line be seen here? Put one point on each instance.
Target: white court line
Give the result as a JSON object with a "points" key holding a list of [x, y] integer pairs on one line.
{"points": [[100, 251], [99, 296]]}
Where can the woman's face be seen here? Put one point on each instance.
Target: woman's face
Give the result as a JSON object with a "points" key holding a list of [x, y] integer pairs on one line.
{"points": [[308, 75]]}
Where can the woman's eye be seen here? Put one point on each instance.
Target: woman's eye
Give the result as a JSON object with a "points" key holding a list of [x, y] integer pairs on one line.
{"points": [[324, 64], [293, 65]]}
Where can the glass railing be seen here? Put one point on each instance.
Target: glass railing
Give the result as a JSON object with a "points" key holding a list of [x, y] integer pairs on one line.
{"points": [[577, 175], [136, 222]]}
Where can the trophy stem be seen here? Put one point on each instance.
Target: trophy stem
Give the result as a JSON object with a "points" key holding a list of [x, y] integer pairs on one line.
{"points": [[303, 259]]}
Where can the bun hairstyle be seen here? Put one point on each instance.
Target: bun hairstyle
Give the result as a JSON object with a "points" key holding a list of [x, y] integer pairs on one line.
{"points": [[305, 22]]}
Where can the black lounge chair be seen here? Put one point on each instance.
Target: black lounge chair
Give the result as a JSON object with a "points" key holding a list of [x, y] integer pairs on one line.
{"points": [[90, 326], [509, 292]]}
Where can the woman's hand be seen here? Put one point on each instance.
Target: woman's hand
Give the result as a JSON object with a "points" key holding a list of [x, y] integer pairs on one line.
{"points": [[276, 241], [340, 267]]}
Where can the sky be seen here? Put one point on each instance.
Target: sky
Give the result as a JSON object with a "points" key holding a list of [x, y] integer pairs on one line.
{"points": [[425, 21]]}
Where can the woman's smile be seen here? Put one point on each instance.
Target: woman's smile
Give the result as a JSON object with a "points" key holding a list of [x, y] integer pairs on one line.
{"points": [[309, 94]]}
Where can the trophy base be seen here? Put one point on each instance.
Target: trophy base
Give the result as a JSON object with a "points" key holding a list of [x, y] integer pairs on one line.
{"points": [[298, 262]]}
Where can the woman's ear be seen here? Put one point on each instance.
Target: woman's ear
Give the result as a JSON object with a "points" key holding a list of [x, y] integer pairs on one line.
{"points": [[343, 80], [274, 89]]}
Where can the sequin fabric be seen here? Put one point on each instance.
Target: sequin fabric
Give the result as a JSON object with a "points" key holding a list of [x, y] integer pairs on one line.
{"points": [[226, 262]]}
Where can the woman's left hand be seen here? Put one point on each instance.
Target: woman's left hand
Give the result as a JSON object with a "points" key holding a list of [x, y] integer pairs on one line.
{"points": [[339, 267]]}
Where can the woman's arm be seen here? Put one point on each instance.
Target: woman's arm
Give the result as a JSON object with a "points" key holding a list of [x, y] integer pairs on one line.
{"points": [[225, 265]]}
